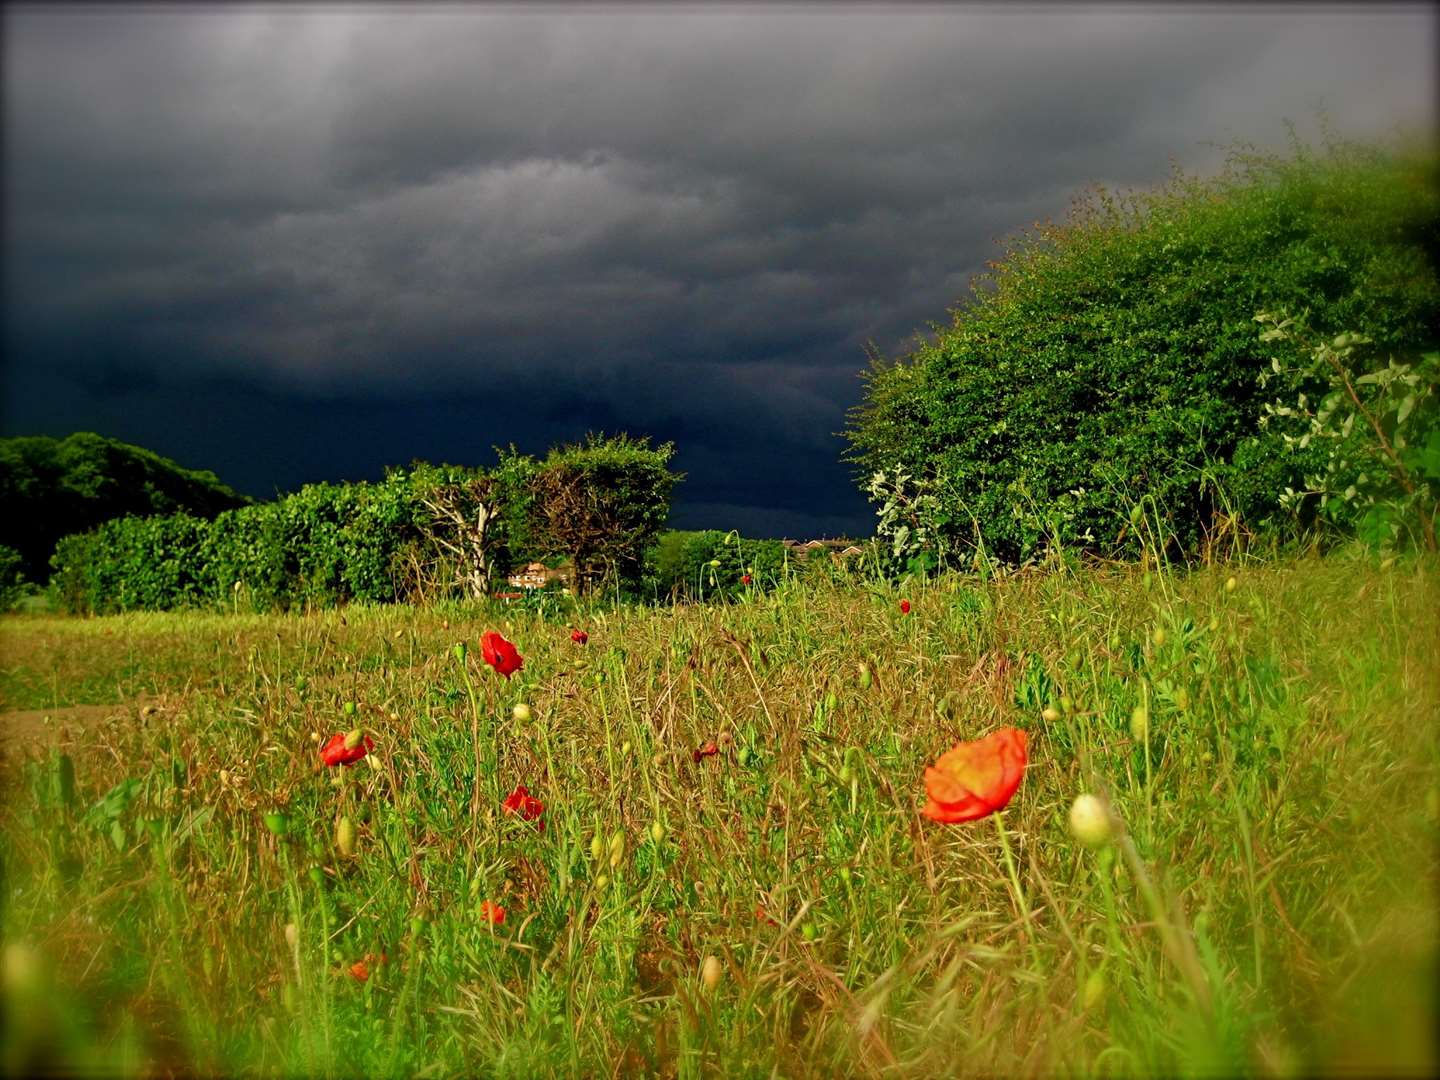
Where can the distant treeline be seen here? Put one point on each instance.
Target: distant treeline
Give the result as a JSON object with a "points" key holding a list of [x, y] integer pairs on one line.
{"points": [[50, 488], [424, 533]]}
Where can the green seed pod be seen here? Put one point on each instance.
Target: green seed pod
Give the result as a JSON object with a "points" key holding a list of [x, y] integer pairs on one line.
{"points": [[350, 708], [317, 875], [831, 701], [460, 651], [277, 822], [865, 677], [809, 931], [1090, 822], [345, 837]]}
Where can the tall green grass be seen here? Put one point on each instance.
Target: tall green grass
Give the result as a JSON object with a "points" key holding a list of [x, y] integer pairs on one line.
{"points": [[1269, 908]]}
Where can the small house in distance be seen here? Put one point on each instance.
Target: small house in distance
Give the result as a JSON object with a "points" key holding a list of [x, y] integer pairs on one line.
{"points": [[536, 575], [840, 550]]}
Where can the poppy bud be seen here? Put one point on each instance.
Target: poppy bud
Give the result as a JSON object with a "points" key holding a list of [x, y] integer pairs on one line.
{"points": [[597, 846], [1139, 723], [292, 935], [625, 749], [1050, 714], [349, 708], [617, 848], [277, 822], [1094, 991], [602, 881], [714, 564], [460, 650], [657, 832], [1231, 585], [809, 931], [1135, 514], [1182, 699], [865, 677], [1158, 637], [345, 837], [1067, 706], [710, 972], [845, 873], [831, 701], [744, 756], [354, 738], [522, 713], [1090, 822]]}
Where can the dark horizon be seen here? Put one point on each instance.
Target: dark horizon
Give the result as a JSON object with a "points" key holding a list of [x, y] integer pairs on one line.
{"points": [[292, 246]]}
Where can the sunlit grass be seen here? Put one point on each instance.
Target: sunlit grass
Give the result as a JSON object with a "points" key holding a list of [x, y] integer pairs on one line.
{"points": [[1270, 908]]}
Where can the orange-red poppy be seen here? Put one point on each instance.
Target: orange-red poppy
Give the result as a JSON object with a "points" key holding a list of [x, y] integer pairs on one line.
{"points": [[335, 752], [492, 913], [500, 654], [706, 751], [975, 779], [904, 607], [522, 803]]}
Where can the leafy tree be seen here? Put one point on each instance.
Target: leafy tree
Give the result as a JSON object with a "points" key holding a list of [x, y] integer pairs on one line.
{"points": [[602, 503], [1116, 355], [49, 488]]}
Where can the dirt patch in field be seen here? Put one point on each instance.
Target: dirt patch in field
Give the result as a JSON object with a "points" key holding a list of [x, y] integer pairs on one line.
{"points": [[22, 727]]}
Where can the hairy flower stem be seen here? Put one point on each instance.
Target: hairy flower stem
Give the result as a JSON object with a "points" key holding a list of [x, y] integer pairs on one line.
{"points": [[1020, 900]]}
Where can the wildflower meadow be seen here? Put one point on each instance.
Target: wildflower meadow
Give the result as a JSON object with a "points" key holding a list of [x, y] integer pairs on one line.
{"points": [[1092, 820]]}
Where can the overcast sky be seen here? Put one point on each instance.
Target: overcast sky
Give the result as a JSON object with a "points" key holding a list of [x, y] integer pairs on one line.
{"points": [[293, 244]]}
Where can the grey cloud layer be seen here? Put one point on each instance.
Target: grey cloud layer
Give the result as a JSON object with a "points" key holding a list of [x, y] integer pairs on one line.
{"points": [[699, 216]]}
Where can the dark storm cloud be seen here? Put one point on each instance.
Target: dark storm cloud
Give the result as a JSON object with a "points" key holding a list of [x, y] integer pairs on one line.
{"points": [[425, 232]]}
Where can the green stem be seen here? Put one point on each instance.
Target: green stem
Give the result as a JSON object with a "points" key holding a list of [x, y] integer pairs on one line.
{"points": [[1020, 900]]}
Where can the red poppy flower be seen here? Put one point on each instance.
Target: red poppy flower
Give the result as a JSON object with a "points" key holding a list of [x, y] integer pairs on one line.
{"points": [[500, 654], [744, 579], [580, 637], [707, 750], [904, 607], [974, 779], [761, 916], [492, 913], [360, 971], [521, 802], [335, 752]]}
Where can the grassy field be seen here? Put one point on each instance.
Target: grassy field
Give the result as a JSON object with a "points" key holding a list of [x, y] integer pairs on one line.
{"points": [[778, 907]]}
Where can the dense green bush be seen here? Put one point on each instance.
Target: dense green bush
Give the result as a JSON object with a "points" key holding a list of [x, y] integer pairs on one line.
{"points": [[12, 578], [50, 488], [601, 503], [324, 545], [1116, 356]]}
